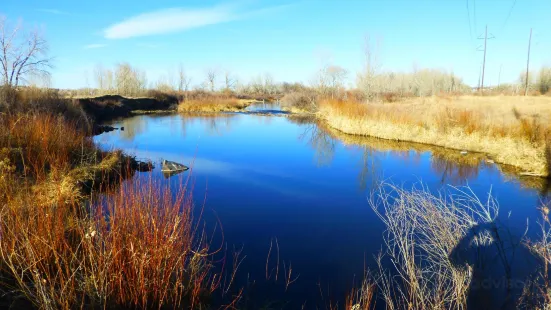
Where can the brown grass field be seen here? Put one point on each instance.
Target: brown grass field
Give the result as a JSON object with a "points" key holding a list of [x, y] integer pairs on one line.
{"points": [[509, 130]]}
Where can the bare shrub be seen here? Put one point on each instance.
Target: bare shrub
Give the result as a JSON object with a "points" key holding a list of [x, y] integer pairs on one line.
{"points": [[301, 101], [543, 83], [420, 83]]}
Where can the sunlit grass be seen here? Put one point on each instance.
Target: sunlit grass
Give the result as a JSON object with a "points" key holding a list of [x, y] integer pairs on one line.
{"points": [[213, 104], [511, 130], [139, 248]]}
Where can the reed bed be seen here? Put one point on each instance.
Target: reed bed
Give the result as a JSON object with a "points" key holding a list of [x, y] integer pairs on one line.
{"points": [[137, 248], [213, 104], [41, 142], [510, 130], [422, 230]]}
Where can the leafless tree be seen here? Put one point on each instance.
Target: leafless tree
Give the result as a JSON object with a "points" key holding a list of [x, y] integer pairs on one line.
{"points": [[229, 80], [166, 82], [99, 73], [129, 81], [366, 79], [270, 87], [211, 75], [335, 78], [183, 79], [21, 56]]}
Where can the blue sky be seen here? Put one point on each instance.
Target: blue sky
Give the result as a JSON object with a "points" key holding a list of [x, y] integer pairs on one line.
{"points": [[289, 40]]}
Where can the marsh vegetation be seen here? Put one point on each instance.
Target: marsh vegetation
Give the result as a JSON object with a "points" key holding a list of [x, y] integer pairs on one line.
{"points": [[83, 224]]}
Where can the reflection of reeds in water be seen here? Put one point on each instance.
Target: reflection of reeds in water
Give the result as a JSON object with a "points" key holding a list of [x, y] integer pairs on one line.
{"points": [[451, 164]]}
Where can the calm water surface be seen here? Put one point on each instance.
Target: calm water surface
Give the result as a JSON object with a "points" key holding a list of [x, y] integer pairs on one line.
{"points": [[269, 177]]}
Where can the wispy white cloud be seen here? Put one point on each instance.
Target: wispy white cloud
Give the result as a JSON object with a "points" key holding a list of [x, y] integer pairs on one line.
{"points": [[177, 19], [93, 46], [53, 11]]}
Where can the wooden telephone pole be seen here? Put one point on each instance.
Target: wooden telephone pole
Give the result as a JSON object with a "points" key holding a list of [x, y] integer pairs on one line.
{"points": [[528, 64], [484, 60]]}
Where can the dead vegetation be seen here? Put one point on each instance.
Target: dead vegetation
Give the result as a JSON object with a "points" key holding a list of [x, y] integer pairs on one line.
{"points": [[213, 103], [60, 248], [511, 130]]}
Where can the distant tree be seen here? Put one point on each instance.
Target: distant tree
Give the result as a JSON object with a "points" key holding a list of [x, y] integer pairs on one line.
{"points": [[229, 80], [367, 78], [101, 78], [270, 88], [184, 80], [21, 56], [335, 78], [211, 76], [544, 80], [129, 81]]}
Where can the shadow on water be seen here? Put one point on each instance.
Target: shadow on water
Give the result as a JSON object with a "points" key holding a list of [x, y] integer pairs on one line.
{"points": [[501, 266]]}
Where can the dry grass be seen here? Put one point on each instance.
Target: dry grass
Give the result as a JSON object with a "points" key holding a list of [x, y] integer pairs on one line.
{"points": [[41, 143], [422, 231], [510, 130], [362, 298], [139, 248], [213, 104]]}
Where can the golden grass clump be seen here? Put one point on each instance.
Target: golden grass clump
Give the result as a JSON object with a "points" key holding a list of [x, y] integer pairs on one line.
{"points": [[511, 130], [213, 104]]}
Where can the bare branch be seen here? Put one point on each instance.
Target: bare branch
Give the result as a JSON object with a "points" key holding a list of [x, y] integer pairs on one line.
{"points": [[22, 57]]}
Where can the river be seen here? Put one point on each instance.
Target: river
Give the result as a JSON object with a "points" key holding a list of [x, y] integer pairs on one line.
{"points": [[268, 178]]}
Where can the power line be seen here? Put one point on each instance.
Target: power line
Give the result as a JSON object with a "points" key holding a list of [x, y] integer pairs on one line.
{"points": [[469, 17], [474, 9], [508, 16]]}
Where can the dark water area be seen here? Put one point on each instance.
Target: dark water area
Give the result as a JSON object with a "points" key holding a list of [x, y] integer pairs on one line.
{"points": [[268, 178]]}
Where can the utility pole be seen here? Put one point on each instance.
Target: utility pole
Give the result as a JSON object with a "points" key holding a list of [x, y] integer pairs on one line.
{"points": [[484, 59], [528, 63]]}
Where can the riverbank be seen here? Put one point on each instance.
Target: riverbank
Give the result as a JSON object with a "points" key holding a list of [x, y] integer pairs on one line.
{"points": [[510, 130], [72, 232]]}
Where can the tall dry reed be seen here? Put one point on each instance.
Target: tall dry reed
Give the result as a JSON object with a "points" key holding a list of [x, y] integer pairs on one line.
{"points": [[502, 132], [422, 230], [139, 247]]}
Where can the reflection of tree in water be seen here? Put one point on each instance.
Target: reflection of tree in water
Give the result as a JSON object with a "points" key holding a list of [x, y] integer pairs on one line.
{"points": [[134, 126], [215, 125], [322, 143], [455, 169], [368, 168]]}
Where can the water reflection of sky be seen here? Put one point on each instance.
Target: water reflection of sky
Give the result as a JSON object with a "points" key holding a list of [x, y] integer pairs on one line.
{"points": [[269, 177]]}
